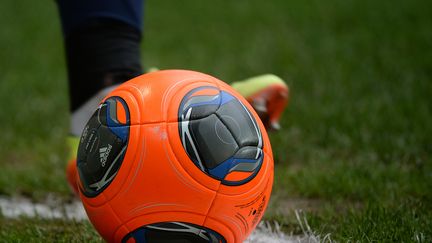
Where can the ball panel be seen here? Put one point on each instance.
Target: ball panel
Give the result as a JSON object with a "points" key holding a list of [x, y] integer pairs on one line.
{"points": [[158, 217], [175, 232], [102, 146], [213, 130]]}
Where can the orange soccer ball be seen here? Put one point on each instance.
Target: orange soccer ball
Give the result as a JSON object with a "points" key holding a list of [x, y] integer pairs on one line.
{"points": [[175, 156]]}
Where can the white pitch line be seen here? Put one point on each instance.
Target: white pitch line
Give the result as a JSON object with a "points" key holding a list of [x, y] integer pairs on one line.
{"points": [[265, 233], [53, 209], [17, 207]]}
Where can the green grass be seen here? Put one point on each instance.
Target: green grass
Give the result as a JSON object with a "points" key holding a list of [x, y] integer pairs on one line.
{"points": [[42, 230], [355, 149], [405, 221]]}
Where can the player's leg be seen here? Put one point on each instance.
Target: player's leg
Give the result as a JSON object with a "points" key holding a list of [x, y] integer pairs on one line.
{"points": [[268, 94], [102, 45], [102, 50]]}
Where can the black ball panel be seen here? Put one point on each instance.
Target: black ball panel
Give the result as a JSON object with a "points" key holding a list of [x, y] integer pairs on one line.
{"points": [[102, 147], [174, 232], [220, 135]]}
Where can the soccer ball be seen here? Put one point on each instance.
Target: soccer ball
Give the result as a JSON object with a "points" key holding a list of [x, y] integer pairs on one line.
{"points": [[174, 156]]}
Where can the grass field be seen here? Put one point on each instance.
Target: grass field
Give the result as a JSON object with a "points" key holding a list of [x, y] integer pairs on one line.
{"points": [[355, 149]]}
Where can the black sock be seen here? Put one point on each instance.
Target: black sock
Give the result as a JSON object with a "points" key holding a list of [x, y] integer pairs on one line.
{"points": [[100, 53]]}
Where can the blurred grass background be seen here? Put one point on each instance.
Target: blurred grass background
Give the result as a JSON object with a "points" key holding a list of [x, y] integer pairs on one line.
{"points": [[355, 149]]}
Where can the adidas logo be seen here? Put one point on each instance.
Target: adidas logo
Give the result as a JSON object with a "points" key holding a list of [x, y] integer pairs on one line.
{"points": [[104, 153]]}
